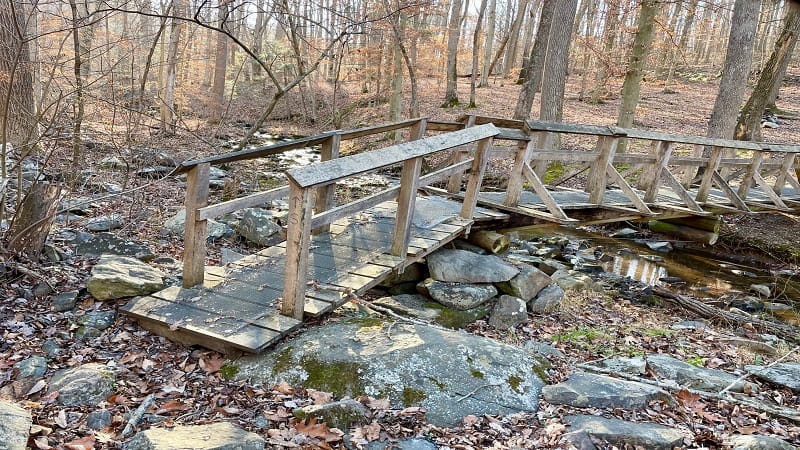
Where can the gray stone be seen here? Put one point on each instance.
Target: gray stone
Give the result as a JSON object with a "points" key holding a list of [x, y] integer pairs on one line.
{"points": [[342, 414], [660, 246], [104, 223], [450, 374], [461, 266], [41, 290], [109, 244], [692, 376], [627, 434], [119, 276], [410, 305], [216, 436], [33, 367], [508, 312], [65, 301], [15, 426], [757, 442], [571, 280], [216, 230], [751, 345], [403, 444], [528, 282], [256, 225], [458, 296], [52, 349], [783, 374], [97, 420], [624, 233], [586, 390], [543, 349], [548, 299], [635, 365], [88, 384], [98, 319]]}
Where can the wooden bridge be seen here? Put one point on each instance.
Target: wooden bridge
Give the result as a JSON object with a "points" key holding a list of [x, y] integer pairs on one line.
{"points": [[333, 252]]}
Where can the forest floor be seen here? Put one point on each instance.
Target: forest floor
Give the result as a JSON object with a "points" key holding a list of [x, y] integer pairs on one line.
{"points": [[190, 388]]}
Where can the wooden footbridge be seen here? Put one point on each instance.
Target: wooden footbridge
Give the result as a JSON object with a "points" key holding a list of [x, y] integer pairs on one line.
{"points": [[555, 172]]}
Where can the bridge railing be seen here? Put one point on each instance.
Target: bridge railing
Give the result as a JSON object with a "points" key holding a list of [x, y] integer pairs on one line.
{"points": [[304, 181], [199, 211]]}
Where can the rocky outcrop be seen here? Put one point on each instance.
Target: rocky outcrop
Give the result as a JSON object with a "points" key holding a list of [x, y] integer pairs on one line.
{"points": [[119, 276], [450, 374], [622, 433], [508, 312], [259, 227], [694, 377], [216, 230], [15, 426]]}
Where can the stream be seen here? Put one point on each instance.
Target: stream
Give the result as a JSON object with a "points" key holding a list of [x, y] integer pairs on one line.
{"points": [[630, 253]]}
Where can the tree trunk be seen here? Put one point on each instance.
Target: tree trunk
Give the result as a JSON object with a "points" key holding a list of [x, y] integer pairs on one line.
{"points": [[168, 117], [511, 48], [258, 37], [735, 70], [396, 99], [609, 37], [535, 67], [489, 44], [453, 33], [220, 66], [631, 87], [33, 220], [748, 127], [554, 76], [476, 44]]}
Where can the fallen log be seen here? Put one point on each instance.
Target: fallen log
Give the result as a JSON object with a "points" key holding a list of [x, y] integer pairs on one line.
{"points": [[711, 224], [489, 240], [683, 232], [703, 309]]}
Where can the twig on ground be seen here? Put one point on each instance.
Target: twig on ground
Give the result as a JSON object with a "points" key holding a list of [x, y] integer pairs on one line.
{"points": [[136, 415]]}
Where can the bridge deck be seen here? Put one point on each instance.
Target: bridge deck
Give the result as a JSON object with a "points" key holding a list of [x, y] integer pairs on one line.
{"points": [[238, 306]]}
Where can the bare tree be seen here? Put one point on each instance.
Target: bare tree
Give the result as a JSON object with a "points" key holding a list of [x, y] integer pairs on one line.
{"points": [[554, 76], [535, 63], [453, 33]]}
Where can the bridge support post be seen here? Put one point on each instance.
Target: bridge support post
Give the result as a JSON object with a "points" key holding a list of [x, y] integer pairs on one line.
{"points": [[409, 183], [596, 185], [475, 178], [325, 195], [298, 240], [780, 180], [651, 179], [196, 230]]}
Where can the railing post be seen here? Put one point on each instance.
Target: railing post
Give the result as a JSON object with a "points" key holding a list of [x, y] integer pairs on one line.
{"points": [[786, 166], [417, 131], [596, 185], [195, 233], [751, 173], [325, 195], [708, 176], [514, 189], [298, 240], [459, 155], [651, 179], [406, 199], [475, 178]]}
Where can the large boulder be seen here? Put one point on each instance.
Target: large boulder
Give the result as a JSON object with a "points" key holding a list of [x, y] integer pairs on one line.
{"points": [[448, 373], [461, 266], [216, 436], [459, 296], [258, 226], [548, 299], [508, 312], [88, 384], [529, 282], [119, 276], [15, 426]]}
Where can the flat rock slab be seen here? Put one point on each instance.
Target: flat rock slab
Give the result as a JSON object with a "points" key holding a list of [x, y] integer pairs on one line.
{"points": [[88, 384], [756, 442], [587, 390], [461, 266], [15, 426], [692, 376], [450, 374], [111, 244], [786, 374], [624, 434], [217, 436], [459, 296], [119, 276]]}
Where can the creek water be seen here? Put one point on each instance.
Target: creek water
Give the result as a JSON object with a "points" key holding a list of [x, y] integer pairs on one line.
{"points": [[689, 272]]}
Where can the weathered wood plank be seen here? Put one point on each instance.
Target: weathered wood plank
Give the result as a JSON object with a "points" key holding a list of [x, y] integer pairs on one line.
{"points": [[476, 178], [767, 190], [195, 232], [331, 171], [409, 183], [514, 189], [728, 191], [376, 129], [298, 239], [541, 190], [629, 192], [325, 194], [749, 174], [596, 184], [651, 177], [677, 187], [708, 175], [259, 198], [783, 173]]}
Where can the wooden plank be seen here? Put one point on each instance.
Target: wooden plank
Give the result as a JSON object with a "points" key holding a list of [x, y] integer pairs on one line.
{"points": [[544, 142], [417, 130], [331, 171], [708, 175], [749, 175], [540, 189], [460, 155], [767, 190], [565, 156], [298, 239], [783, 173], [257, 152], [676, 186], [259, 198], [195, 232], [476, 177], [729, 192], [443, 125], [514, 188], [632, 195], [503, 122], [409, 183], [651, 179]]}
